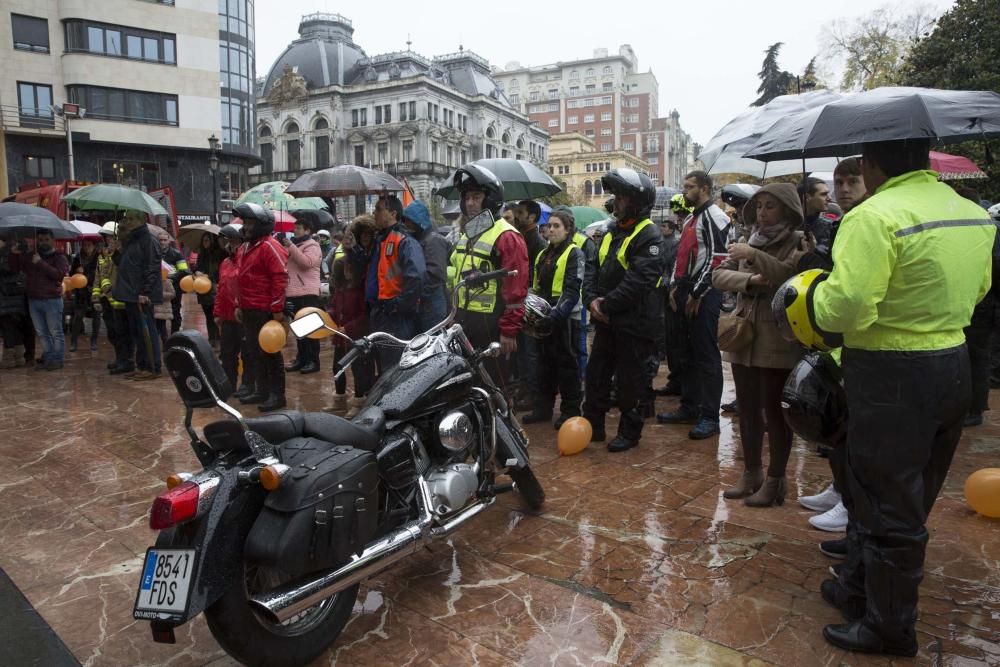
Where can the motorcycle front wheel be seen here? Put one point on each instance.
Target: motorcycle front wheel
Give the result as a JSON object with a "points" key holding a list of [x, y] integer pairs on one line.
{"points": [[254, 640], [528, 486]]}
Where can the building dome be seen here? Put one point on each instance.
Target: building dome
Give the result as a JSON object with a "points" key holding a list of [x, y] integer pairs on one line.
{"points": [[324, 54]]}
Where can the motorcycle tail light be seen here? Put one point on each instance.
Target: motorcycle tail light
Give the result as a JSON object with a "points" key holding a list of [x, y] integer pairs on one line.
{"points": [[174, 506], [178, 478]]}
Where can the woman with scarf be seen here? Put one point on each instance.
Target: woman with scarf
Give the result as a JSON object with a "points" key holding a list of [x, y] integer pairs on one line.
{"points": [[85, 262], [756, 267], [210, 256]]}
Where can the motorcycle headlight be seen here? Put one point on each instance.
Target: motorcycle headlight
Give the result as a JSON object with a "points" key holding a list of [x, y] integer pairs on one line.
{"points": [[455, 431]]}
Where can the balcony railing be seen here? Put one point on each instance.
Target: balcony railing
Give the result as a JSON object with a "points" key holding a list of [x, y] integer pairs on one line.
{"points": [[15, 117]]}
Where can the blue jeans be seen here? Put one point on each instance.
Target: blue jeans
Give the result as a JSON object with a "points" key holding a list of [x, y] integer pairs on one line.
{"points": [[581, 353], [47, 316], [433, 308], [143, 332]]}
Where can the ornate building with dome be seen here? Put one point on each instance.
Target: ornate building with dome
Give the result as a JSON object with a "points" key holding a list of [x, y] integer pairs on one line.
{"points": [[325, 102]]}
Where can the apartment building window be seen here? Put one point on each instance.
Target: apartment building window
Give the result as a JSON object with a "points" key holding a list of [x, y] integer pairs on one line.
{"points": [[387, 113], [120, 41], [267, 155], [322, 144], [572, 120], [653, 160], [533, 96], [553, 93], [30, 33], [606, 116], [554, 106], [598, 187], [38, 166], [134, 174], [588, 188], [574, 90], [628, 145], [34, 102], [632, 118], [354, 118], [588, 133], [573, 104], [590, 167], [293, 149], [589, 102], [133, 106], [413, 110], [407, 150], [434, 151], [402, 111], [607, 166], [606, 99], [606, 70], [588, 118], [607, 85], [450, 152], [515, 99], [605, 147], [363, 116], [383, 153], [634, 102], [605, 131], [359, 155], [465, 156], [534, 108], [553, 122], [378, 115], [591, 87]]}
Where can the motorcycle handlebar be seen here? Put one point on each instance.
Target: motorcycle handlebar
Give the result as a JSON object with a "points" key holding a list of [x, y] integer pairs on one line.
{"points": [[479, 279]]}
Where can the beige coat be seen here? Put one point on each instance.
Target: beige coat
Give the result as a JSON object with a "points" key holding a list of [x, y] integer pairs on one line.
{"points": [[776, 262]]}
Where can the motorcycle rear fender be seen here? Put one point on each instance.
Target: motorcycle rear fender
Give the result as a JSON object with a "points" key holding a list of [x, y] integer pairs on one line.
{"points": [[218, 536], [511, 445]]}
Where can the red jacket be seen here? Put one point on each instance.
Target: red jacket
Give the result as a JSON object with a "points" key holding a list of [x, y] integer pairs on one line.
{"points": [[513, 255], [226, 291], [261, 275]]}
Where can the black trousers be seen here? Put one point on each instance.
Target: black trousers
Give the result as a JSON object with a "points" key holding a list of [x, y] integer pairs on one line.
{"points": [[268, 369], [557, 370], [527, 366], [230, 342], [11, 330], [81, 310], [28, 334], [616, 354], [123, 343], [483, 329], [907, 410], [977, 338], [307, 349], [758, 391], [175, 305], [210, 328], [701, 382], [674, 342]]}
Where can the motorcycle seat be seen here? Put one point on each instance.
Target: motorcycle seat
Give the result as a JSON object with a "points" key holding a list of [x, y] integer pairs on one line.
{"points": [[364, 432]]}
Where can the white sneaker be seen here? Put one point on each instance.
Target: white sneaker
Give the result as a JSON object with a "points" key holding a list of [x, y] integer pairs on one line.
{"points": [[833, 520], [821, 502]]}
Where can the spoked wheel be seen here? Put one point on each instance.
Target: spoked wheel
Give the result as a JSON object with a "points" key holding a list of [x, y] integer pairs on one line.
{"points": [[253, 639]]}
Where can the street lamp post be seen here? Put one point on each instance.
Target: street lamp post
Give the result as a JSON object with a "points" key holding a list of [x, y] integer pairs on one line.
{"points": [[68, 111], [213, 166]]}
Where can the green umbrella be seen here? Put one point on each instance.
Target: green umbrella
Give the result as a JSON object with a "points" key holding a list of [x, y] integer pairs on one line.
{"points": [[585, 215], [273, 196], [521, 180], [112, 197]]}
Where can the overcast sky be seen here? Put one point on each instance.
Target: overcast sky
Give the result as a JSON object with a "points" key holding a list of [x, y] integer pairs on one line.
{"points": [[705, 55]]}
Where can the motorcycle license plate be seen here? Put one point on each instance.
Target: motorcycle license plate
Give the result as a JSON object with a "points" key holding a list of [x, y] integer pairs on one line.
{"points": [[166, 584]]}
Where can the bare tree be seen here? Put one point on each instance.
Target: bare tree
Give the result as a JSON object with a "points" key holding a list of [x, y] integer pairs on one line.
{"points": [[871, 48]]}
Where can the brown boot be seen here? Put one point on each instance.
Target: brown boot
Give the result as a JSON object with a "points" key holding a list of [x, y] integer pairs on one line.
{"points": [[771, 493], [749, 482]]}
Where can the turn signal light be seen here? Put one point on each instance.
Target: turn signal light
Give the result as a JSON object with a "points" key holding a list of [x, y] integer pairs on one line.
{"points": [[270, 476], [177, 479], [174, 506]]}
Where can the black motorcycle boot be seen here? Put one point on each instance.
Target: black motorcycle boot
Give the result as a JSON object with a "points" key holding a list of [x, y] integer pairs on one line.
{"points": [[273, 402], [835, 595], [620, 444], [598, 434], [255, 397], [245, 390], [859, 637], [310, 367], [295, 366]]}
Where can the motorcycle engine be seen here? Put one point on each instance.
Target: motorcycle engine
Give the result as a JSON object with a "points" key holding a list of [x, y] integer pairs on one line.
{"points": [[451, 487]]}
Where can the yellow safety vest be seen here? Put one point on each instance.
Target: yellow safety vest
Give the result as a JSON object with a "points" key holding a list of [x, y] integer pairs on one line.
{"points": [[606, 246], [560, 276], [579, 239], [471, 255]]}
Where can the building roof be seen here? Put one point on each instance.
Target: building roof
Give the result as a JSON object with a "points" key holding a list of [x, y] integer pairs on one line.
{"points": [[324, 54]]}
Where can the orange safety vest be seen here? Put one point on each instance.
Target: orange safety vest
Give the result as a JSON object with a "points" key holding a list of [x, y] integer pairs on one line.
{"points": [[390, 271]]}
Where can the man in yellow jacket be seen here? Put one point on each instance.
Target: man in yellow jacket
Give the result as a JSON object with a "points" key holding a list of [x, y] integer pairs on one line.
{"points": [[910, 263]]}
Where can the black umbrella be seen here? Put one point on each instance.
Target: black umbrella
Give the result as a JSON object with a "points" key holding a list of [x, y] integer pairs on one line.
{"points": [[842, 127], [521, 180], [15, 217], [319, 218], [343, 181]]}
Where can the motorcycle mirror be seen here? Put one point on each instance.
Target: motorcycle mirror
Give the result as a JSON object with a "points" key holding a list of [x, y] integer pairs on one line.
{"points": [[493, 350], [307, 324]]}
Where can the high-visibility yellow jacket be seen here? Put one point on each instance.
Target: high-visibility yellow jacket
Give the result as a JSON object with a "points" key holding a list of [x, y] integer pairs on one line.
{"points": [[104, 279], [909, 265]]}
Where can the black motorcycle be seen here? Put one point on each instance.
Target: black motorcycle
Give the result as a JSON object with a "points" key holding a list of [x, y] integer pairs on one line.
{"points": [[293, 510]]}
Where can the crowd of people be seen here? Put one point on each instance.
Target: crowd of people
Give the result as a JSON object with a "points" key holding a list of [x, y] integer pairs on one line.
{"points": [[905, 260]]}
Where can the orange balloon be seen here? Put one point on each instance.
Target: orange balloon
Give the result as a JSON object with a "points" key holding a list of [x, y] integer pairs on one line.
{"points": [[202, 284], [327, 320], [982, 492], [574, 436], [78, 281], [66, 284], [187, 284], [272, 337]]}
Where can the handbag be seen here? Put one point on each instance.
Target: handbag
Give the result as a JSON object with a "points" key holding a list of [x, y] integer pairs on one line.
{"points": [[736, 329]]}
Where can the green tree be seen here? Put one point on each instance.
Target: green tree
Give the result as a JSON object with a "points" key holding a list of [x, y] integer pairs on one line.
{"points": [[810, 79], [872, 48], [962, 53], [773, 80]]}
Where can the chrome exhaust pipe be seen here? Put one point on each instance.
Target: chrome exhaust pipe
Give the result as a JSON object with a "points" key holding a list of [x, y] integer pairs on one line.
{"points": [[283, 603]]}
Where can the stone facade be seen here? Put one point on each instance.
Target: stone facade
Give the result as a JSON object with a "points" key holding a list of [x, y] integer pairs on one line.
{"points": [[417, 118]]}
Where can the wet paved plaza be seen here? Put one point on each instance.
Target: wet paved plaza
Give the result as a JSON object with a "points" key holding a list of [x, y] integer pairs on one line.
{"points": [[635, 559]]}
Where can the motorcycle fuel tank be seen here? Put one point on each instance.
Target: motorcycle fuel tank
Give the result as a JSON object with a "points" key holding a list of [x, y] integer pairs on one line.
{"points": [[434, 381]]}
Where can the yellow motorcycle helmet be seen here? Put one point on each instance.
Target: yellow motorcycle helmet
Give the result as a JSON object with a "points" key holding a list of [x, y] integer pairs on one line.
{"points": [[792, 308], [679, 205]]}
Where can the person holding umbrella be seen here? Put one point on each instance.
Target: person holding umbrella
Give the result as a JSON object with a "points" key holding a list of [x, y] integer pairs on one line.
{"points": [[488, 243], [45, 269], [908, 267], [139, 286]]}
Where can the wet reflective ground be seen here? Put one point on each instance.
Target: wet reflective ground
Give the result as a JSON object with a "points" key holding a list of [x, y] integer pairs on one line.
{"points": [[636, 558]]}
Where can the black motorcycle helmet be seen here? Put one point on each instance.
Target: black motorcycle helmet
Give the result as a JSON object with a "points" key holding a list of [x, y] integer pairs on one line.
{"points": [[639, 189], [257, 220], [472, 177], [814, 402], [609, 204], [738, 194], [231, 232]]}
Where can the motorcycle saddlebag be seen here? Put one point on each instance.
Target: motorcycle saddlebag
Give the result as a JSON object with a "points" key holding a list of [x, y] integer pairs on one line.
{"points": [[325, 510]]}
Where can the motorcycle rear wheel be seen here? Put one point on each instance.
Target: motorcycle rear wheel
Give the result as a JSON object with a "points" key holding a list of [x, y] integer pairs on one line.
{"points": [[528, 486], [254, 640]]}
